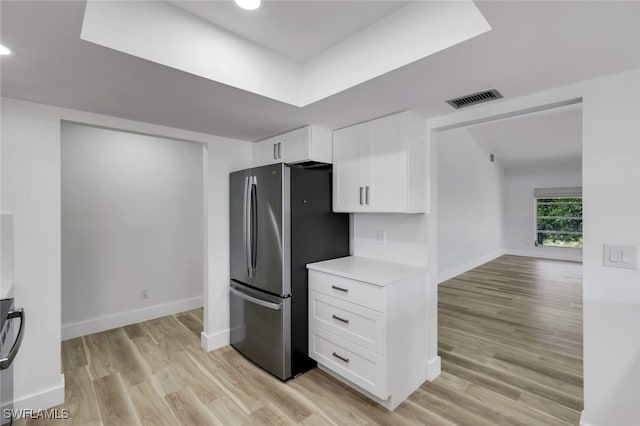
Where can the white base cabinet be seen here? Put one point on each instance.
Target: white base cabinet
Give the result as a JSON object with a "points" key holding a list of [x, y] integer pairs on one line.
{"points": [[381, 166], [366, 325], [310, 143]]}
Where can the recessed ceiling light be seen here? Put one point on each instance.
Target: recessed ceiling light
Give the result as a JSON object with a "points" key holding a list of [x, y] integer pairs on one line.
{"points": [[4, 50], [248, 4]]}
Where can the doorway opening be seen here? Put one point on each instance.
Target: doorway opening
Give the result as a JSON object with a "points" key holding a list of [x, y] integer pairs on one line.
{"points": [[509, 251], [132, 228]]}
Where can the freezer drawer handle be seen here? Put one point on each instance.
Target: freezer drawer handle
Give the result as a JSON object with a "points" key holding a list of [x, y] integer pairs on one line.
{"points": [[344, 290], [7, 360], [335, 317], [341, 358], [255, 300]]}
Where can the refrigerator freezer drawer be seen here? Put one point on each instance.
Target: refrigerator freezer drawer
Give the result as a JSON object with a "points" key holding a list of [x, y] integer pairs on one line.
{"points": [[355, 364], [260, 328]]}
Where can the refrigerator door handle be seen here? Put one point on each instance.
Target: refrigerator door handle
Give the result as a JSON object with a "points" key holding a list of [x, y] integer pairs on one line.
{"points": [[253, 235], [255, 300], [247, 224]]}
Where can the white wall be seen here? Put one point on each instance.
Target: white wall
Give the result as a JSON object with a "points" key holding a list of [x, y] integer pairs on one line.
{"points": [[470, 204], [611, 209], [520, 207], [6, 255], [132, 218], [31, 189], [406, 237]]}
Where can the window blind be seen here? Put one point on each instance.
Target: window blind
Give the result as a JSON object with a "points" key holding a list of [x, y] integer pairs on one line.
{"points": [[564, 192]]}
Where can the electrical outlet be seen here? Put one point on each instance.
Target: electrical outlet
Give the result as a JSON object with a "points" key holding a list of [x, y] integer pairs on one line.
{"points": [[145, 293], [382, 237]]}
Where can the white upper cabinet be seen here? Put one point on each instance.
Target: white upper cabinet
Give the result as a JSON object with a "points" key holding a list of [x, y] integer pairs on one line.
{"points": [[310, 143], [349, 169], [380, 166]]}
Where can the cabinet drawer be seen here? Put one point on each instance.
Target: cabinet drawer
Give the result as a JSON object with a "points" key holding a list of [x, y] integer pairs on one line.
{"points": [[358, 292], [357, 365], [359, 325]]}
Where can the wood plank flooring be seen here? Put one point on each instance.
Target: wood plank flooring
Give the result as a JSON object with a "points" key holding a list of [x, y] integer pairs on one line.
{"points": [[509, 336]]}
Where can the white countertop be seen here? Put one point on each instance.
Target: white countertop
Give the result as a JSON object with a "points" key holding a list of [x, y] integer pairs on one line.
{"points": [[372, 271]]}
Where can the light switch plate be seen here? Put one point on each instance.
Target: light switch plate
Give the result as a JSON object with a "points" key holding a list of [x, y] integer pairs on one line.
{"points": [[382, 237], [620, 256]]}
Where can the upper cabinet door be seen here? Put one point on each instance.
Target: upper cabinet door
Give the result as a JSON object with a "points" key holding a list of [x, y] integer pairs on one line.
{"points": [[386, 161], [386, 164], [265, 152], [295, 146], [310, 143], [348, 169]]}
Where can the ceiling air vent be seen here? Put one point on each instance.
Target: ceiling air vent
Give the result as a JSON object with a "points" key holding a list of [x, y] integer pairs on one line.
{"points": [[474, 98]]}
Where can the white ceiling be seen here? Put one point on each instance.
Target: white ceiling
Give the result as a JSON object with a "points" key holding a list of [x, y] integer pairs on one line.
{"points": [[158, 32], [533, 46], [552, 136], [299, 30]]}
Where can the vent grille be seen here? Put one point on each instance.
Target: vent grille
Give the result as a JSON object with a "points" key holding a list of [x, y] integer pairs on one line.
{"points": [[474, 98]]}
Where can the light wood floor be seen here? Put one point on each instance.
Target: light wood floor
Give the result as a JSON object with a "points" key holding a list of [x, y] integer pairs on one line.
{"points": [[510, 341]]}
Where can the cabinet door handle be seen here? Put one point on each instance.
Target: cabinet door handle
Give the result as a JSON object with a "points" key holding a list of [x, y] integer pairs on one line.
{"points": [[341, 358], [366, 196], [275, 151], [279, 149], [335, 317], [361, 202], [344, 290]]}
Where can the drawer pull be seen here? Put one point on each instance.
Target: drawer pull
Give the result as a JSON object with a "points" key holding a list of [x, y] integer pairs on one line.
{"points": [[335, 317], [341, 358], [344, 290]]}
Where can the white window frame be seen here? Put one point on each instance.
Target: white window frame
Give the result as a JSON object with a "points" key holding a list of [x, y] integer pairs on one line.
{"points": [[560, 192]]}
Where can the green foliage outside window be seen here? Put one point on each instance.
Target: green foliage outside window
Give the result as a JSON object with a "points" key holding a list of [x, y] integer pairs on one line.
{"points": [[559, 222]]}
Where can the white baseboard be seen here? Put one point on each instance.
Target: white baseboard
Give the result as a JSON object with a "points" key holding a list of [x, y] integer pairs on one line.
{"points": [[582, 422], [217, 340], [433, 368], [571, 255], [42, 400], [454, 272], [69, 331]]}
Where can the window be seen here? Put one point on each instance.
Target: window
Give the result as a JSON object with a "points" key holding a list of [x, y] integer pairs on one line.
{"points": [[559, 217]]}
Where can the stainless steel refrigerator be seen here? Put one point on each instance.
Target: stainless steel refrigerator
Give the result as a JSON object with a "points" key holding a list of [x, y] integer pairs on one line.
{"points": [[281, 219]]}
